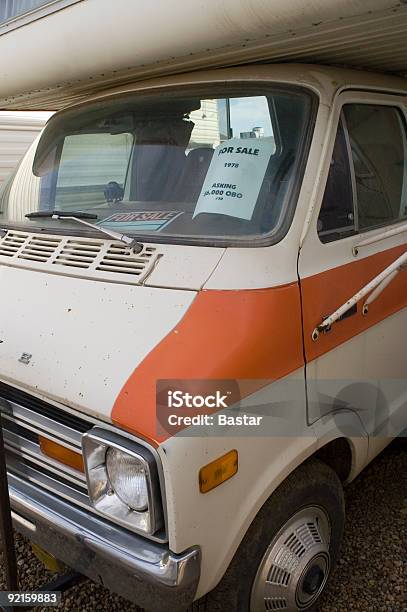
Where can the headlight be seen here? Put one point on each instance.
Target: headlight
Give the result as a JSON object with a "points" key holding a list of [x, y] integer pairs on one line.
{"points": [[122, 480], [128, 478]]}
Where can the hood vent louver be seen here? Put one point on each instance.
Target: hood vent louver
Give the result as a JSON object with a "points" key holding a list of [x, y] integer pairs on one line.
{"points": [[11, 243], [89, 258], [39, 249]]}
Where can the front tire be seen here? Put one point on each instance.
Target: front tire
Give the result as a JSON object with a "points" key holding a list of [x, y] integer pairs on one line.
{"points": [[286, 558]]}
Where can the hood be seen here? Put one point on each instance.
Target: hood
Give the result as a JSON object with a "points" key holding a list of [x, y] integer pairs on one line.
{"points": [[76, 341]]}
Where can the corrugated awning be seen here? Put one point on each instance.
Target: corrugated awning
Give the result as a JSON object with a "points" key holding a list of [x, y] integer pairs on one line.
{"points": [[95, 44]]}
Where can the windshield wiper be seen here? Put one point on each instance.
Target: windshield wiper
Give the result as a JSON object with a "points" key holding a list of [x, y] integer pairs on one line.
{"points": [[44, 214], [79, 217]]}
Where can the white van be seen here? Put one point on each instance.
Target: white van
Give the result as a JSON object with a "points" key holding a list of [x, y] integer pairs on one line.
{"points": [[204, 330], [203, 323]]}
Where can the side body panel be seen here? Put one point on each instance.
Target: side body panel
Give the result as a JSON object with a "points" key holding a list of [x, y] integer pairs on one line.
{"points": [[218, 520], [360, 363]]}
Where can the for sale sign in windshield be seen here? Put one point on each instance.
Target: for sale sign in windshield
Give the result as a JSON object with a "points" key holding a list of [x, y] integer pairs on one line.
{"points": [[232, 184]]}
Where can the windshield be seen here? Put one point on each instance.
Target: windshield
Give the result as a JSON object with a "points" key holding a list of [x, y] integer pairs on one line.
{"points": [[199, 167]]}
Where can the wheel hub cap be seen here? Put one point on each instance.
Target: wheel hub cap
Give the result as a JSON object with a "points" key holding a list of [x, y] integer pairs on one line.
{"points": [[313, 580], [295, 567]]}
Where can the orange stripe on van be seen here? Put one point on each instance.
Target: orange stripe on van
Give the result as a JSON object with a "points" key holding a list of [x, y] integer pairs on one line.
{"points": [[243, 335], [255, 335], [323, 293]]}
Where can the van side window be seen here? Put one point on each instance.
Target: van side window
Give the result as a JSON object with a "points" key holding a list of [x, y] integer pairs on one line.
{"points": [[377, 139], [336, 218]]}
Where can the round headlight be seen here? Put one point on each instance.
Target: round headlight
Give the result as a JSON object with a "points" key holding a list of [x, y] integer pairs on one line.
{"points": [[128, 479]]}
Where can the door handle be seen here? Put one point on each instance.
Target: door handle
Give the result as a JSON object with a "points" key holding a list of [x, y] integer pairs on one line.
{"points": [[375, 287], [349, 313], [327, 328]]}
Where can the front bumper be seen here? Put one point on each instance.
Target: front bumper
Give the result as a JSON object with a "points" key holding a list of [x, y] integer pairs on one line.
{"points": [[145, 572]]}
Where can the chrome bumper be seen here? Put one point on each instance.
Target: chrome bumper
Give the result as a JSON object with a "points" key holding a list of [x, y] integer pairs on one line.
{"points": [[143, 571]]}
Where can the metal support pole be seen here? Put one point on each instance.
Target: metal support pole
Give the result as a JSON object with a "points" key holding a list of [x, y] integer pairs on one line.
{"points": [[6, 524]]}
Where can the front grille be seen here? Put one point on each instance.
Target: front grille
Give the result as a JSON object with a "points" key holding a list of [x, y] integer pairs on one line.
{"points": [[37, 405], [25, 418]]}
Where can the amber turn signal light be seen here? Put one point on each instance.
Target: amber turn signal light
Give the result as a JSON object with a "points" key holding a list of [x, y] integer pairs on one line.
{"points": [[61, 453], [217, 472]]}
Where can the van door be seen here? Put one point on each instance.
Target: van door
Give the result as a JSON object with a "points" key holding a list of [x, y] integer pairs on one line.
{"points": [[357, 231]]}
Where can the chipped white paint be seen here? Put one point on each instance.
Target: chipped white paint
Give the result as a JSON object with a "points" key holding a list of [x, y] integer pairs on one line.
{"points": [[84, 338]]}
